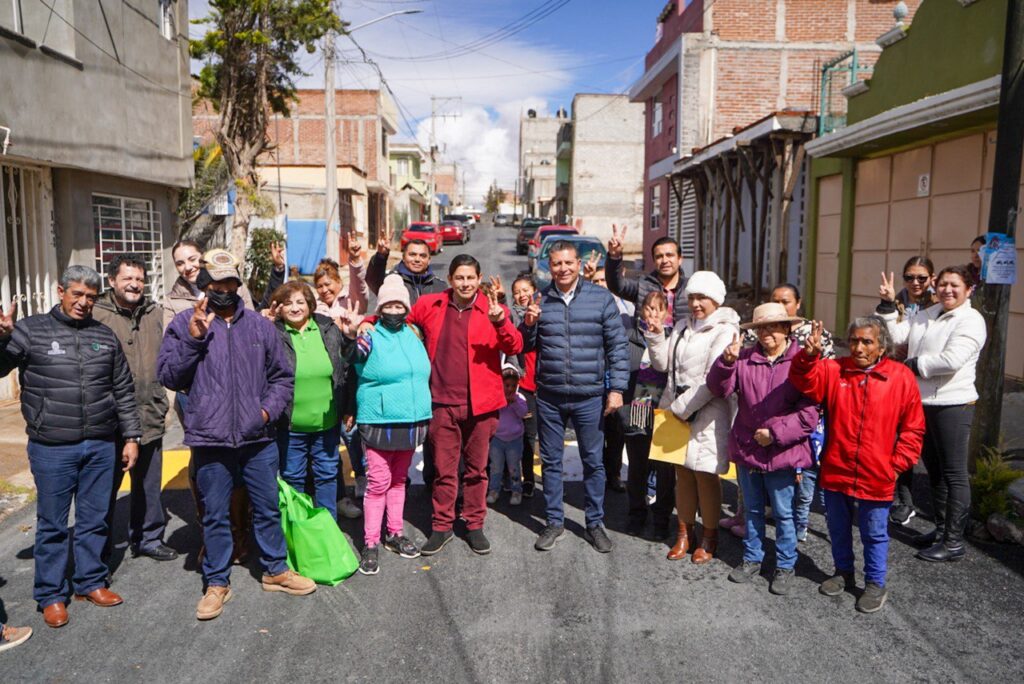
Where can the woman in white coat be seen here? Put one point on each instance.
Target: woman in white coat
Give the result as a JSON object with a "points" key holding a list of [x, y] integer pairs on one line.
{"points": [[943, 343], [687, 356]]}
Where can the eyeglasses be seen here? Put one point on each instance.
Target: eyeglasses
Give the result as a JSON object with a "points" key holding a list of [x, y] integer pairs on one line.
{"points": [[916, 279]]}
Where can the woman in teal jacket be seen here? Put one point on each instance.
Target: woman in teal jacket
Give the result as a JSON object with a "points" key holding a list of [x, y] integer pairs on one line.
{"points": [[394, 410]]}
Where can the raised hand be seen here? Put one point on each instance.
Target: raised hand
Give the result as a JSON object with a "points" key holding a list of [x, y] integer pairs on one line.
{"points": [[348, 321], [200, 322], [532, 312], [273, 312], [616, 242], [732, 352], [384, 244], [355, 248], [494, 310], [590, 268], [497, 287], [277, 255], [812, 346], [7, 320], [887, 290], [654, 318]]}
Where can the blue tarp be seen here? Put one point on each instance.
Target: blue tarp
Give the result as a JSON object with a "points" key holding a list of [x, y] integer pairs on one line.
{"points": [[307, 243], [442, 199]]}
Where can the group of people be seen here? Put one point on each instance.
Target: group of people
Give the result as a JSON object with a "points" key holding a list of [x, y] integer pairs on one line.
{"points": [[272, 387]]}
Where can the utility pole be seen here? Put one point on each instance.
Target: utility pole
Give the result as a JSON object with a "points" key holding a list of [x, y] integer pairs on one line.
{"points": [[437, 104], [1002, 219], [330, 154]]}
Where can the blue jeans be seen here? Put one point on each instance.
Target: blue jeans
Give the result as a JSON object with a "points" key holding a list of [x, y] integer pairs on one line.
{"points": [[83, 472], [319, 452], [587, 416], [354, 445], [506, 455], [778, 486], [805, 497], [873, 520], [216, 469]]}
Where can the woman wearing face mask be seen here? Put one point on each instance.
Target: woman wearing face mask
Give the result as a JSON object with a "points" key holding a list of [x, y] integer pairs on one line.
{"points": [[393, 413], [687, 356], [309, 435], [942, 344]]}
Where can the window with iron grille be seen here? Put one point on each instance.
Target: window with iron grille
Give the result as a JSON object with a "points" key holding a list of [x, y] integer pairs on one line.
{"points": [[655, 207], [129, 225]]}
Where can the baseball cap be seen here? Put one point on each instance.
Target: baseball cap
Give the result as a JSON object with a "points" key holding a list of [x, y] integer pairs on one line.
{"points": [[221, 264]]}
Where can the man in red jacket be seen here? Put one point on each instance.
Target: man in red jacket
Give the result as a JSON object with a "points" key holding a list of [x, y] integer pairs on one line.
{"points": [[875, 427], [466, 333]]}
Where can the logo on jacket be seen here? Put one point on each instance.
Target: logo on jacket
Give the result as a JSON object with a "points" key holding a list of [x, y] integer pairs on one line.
{"points": [[96, 346], [55, 349]]}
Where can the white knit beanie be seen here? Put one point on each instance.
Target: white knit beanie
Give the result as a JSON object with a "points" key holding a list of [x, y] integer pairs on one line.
{"points": [[706, 283], [393, 290]]}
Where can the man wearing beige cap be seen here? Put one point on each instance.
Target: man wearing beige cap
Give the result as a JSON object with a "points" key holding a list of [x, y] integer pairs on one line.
{"points": [[232, 363]]}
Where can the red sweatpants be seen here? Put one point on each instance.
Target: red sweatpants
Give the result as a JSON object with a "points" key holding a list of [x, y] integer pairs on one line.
{"points": [[455, 435]]}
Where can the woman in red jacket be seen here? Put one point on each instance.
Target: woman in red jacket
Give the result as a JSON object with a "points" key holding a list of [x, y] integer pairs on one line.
{"points": [[875, 425]]}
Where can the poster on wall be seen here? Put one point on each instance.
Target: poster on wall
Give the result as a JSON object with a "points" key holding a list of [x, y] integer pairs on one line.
{"points": [[999, 260]]}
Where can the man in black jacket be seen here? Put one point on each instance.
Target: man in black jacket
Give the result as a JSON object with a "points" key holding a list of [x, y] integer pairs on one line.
{"points": [[77, 397], [414, 268], [669, 279]]}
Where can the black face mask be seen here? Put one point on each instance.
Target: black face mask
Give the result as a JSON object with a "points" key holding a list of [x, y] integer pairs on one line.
{"points": [[393, 321], [222, 301]]}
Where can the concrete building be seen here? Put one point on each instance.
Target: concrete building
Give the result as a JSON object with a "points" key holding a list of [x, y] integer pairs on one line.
{"points": [[538, 141], [408, 178], [294, 172], [446, 187], [910, 173], [721, 65], [600, 162]]}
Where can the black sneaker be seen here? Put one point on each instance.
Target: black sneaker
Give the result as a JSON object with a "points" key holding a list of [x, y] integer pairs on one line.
{"points": [[436, 542], [900, 514], [873, 598], [528, 490], [160, 552], [477, 541], [548, 537], [402, 545], [635, 528], [368, 560], [837, 584], [744, 572], [782, 582], [614, 484], [598, 538]]}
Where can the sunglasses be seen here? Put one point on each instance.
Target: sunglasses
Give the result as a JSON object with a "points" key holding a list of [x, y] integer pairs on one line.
{"points": [[916, 279]]}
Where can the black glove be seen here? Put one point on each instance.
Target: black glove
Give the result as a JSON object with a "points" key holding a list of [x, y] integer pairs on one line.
{"points": [[885, 307]]}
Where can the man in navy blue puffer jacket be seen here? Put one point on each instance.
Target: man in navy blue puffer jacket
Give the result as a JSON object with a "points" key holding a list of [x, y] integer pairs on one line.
{"points": [[582, 371]]}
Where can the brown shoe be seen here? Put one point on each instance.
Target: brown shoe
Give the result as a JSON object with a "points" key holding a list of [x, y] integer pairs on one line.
{"points": [[290, 583], [708, 546], [102, 597], [682, 545], [55, 615], [212, 603]]}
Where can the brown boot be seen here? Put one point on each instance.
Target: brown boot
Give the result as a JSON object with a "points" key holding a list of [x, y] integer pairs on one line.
{"points": [[707, 548], [682, 545]]}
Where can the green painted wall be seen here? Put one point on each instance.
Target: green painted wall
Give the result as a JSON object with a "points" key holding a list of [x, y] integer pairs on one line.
{"points": [[947, 46]]}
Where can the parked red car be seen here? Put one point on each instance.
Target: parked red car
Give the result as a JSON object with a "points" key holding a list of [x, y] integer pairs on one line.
{"points": [[454, 232], [428, 232]]}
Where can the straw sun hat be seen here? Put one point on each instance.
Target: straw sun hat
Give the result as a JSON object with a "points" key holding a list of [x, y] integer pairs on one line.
{"points": [[767, 314]]}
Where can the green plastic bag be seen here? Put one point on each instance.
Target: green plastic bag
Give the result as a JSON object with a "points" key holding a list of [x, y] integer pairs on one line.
{"points": [[317, 549]]}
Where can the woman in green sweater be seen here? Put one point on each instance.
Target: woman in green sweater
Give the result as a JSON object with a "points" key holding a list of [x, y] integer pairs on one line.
{"points": [[310, 436], [393, 400]]}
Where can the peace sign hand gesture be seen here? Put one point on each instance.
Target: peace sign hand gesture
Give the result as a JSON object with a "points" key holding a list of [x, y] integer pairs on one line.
{"points": [[616, 242], [494, 311], [654, 318], [812, 346], [384, 244], [732, 352], [7, 320], [273, 312], [497, 287], [348, 322], [532, 312], [355, 248], [590, 268], [887, 290], [200, 322], [277, 255]]}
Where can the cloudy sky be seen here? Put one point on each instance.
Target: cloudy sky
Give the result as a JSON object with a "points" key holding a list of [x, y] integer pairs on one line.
{"points": [[501, 58]]}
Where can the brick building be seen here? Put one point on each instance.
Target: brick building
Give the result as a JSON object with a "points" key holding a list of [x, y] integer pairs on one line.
{"points": [[721, 65]]}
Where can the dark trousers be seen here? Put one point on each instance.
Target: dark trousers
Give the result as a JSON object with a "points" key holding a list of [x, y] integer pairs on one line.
{"points": [[946, 438], [905, 487], [216, 469], [457, 435], [529, 436], [638, 447], [147, 519], [82, 472], [614, 443], [587, 416], [312, 453]]}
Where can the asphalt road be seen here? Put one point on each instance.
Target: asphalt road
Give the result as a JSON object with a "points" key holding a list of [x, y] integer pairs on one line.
{"points": [[570, 615]]}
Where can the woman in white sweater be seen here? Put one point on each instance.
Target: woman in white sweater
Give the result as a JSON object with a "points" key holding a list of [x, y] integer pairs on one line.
{"points": [[687, 356], [943, 343]]}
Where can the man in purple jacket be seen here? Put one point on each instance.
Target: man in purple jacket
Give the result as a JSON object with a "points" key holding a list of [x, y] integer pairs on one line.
{"points": [[231, 363]]}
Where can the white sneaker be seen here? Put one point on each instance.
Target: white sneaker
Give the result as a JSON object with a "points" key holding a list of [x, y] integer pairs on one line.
{"points": [[492, 497], [515, 499], [360, 487], [348, 508]]}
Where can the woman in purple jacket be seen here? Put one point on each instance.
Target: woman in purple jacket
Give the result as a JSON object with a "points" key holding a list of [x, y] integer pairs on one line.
{"points": [[769, 437]]}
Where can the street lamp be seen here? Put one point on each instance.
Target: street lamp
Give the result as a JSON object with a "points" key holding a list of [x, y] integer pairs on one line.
{"points": [[330, 153]]}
